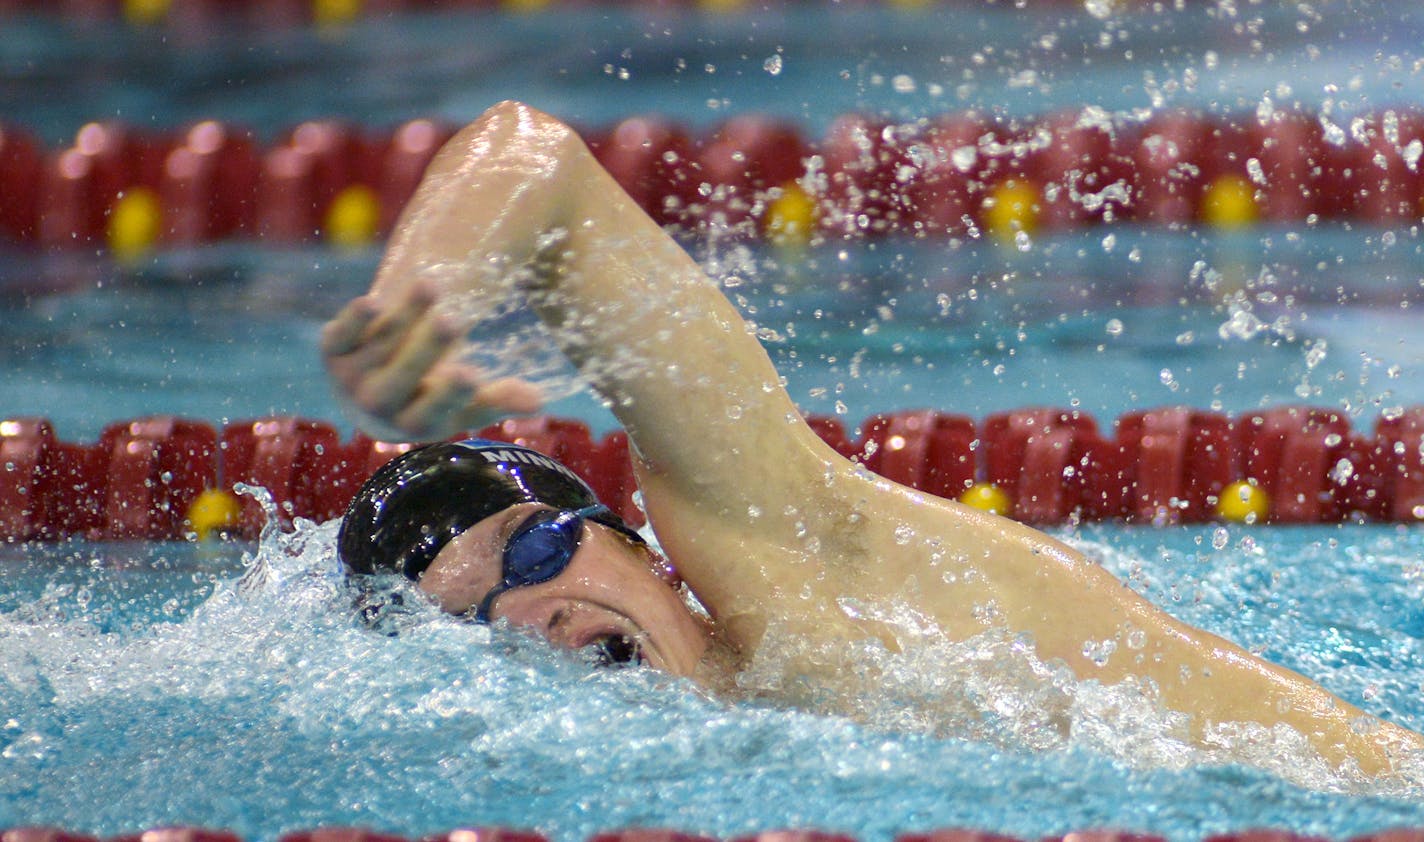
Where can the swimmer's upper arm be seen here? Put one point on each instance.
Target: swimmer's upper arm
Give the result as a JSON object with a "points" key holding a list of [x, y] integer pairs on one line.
{"points": [[680, 366]]}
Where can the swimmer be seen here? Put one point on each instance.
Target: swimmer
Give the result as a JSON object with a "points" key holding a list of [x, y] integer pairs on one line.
{"points": [[766, 525]]}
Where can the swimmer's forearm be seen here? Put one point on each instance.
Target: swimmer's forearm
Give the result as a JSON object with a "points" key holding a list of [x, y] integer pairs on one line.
{"points": [[1223, 686]]}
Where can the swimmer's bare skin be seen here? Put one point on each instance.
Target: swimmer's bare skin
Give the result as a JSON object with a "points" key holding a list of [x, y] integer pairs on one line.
{"points": [[764, 521]]}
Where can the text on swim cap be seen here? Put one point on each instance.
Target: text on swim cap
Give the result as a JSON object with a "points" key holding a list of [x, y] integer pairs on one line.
{"points": [[529, 457]]}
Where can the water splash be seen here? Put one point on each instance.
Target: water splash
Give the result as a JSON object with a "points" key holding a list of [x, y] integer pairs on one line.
{"points": [[272, 693]]}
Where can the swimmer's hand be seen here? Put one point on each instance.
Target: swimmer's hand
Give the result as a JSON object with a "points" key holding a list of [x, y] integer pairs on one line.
{"points": [[395, 361]]}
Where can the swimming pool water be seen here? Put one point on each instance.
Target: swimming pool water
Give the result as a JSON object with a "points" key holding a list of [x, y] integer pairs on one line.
{"points": [[1231, 322], [141, 677], [138, 687]]}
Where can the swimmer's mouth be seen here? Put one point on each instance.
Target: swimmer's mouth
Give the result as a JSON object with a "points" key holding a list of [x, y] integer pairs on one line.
{"points": [[614, 650]]}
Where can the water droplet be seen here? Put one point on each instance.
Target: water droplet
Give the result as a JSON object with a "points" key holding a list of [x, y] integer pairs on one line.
{"points": [[1255, 172], [964, 157], [772, 65], [1220, 537], [1099, 651], [1316, 354], [903, 534], [1114, 327]]}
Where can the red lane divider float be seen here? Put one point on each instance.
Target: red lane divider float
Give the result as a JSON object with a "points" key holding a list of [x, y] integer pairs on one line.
{"points": [[500, 834], [132, 190], [166, 478]]}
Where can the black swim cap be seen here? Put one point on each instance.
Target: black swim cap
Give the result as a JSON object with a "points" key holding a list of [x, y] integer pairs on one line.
{"points": [[418, 502]]}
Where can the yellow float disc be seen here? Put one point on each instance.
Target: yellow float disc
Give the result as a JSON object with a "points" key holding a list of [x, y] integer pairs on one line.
{"points": [[335, 12], [1230, 202], [145, 12], [721, 6], [353, 217], [987, 497], [135, 221], [213, 512], [1011, 207], [790, 217], [1243, 502]]}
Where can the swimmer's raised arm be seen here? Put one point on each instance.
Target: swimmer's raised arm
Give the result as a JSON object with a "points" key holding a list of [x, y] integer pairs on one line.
{"points": [[516, 196]]}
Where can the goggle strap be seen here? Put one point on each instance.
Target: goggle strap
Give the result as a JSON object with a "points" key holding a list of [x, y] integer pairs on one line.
{"points": [[482, 612]]}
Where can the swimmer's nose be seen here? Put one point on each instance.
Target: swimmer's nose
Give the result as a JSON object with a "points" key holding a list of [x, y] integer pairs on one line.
{"points": [[616, 649]]}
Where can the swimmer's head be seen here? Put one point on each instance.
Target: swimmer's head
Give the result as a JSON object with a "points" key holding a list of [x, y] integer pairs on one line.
{"points": [[418, 502], [491, 531]]}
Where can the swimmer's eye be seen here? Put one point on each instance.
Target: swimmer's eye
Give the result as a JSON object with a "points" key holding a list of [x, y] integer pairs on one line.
{"points": [[617, 649]]}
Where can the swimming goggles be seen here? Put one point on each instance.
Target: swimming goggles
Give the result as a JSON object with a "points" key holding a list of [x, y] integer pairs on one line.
{"points": [[538, 550]]}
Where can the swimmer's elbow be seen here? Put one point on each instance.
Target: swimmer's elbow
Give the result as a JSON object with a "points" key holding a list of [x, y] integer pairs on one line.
{"points": [[513, 130]]}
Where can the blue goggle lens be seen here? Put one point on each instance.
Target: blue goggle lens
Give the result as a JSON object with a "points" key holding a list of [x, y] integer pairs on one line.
{"points": [[537, 551]]}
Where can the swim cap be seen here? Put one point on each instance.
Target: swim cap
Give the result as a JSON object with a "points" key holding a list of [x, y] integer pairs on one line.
{"points": [[418, 502]]}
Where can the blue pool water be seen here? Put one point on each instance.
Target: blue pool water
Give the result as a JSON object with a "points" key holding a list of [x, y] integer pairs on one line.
{"points": [[1227, 322], [139, 687], [140, 676]]}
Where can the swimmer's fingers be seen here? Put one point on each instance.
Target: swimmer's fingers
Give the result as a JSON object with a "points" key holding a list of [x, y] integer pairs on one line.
{"points": [[508, 396], [458, 401], [390, 385], [343, 333], [380, 353], [367, 332]]}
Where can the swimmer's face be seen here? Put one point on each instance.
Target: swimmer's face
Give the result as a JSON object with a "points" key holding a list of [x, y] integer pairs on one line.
{"points": [[613, 593]]}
